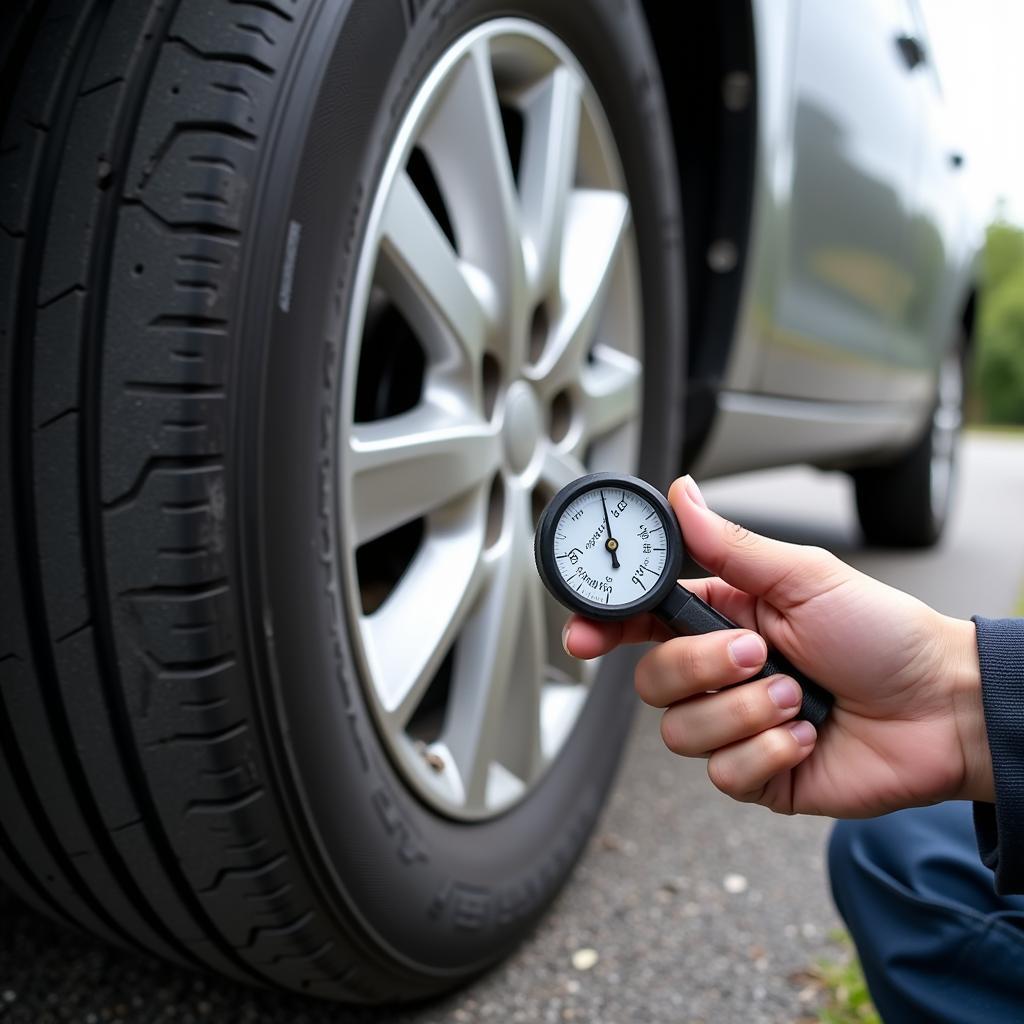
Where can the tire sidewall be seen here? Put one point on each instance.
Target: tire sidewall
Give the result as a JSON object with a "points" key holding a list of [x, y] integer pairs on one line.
{"points": [[441, 897], [894, 500]]}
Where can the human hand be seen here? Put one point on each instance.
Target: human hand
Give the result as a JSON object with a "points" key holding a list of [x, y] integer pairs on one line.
{"points": [[907, 728]]}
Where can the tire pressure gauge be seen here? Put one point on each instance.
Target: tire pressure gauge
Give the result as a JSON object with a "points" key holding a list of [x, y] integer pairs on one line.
{"points": [[609, 547]]}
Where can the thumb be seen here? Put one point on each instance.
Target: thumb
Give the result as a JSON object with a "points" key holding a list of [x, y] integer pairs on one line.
{"points": [[784, 574]]}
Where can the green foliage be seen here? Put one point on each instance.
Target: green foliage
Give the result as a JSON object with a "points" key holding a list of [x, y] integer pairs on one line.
{"points": [[845, 990], [1004, 253], [999, 351]]}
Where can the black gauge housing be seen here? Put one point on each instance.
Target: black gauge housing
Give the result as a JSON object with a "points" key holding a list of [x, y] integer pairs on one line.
{"points": [[544, 546]]}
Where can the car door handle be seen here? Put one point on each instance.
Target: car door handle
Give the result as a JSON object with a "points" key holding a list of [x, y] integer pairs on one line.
{"points": [[911, 50]]}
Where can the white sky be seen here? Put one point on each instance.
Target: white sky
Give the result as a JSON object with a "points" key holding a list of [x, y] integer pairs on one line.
{"points": [[978, 46]]}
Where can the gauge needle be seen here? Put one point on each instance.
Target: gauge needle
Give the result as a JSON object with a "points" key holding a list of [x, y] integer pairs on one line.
{"points": [[611, 543]]}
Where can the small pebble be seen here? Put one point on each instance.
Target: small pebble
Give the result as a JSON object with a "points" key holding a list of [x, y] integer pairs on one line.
{"points": [[615, 843], [584, 959], [735, 884], [677, 884]]}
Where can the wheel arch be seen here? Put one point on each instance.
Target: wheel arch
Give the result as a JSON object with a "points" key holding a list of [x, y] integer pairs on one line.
{"points": [[710, 78]]}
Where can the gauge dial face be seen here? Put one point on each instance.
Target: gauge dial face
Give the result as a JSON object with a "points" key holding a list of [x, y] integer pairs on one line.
{"points": [[610, 546]]}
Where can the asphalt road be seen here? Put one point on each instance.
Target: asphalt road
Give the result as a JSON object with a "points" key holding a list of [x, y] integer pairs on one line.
{"points": [[686, 907]]}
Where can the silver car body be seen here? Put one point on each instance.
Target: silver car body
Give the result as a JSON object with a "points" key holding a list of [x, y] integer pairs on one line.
{"points": [[862, 257]]}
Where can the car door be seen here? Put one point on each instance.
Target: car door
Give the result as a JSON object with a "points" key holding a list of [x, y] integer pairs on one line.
{"points": [[845, 286], [940, 226]]}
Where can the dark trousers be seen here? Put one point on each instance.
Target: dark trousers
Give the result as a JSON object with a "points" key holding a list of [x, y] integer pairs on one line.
{"points": [[937, 944]]}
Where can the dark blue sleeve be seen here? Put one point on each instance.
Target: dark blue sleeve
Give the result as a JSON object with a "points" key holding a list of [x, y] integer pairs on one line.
{"points": [[1000, 826]]}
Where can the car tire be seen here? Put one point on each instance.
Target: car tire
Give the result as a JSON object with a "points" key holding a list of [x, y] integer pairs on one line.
{"points": [[905, 503], [190, 765]]}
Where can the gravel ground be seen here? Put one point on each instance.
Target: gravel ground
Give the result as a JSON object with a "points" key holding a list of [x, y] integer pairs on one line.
{"points": [[686, 907]]}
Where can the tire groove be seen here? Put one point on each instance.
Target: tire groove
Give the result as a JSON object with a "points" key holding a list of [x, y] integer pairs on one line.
{"points": [[201, 589], [13, 55], [247, 873], [56, 418], [263, 5], [155, 464], [181, 128], [226, 57], [193, 229], [203, 739], [17, 864], [193, 669], [19, 775], [224, 805]]}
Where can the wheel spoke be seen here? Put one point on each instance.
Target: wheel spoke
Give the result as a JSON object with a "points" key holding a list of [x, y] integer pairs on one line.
{"points": [[560, 707], [559, 468], [408, 636], [465, 141], [595, 225], [421, 272], [490, 654], [563, 667], [520, 737], [407, 466], [609, 392], [547, 172]]}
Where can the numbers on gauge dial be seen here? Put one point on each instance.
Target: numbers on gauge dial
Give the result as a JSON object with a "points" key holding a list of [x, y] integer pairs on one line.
{"points": [[605, 526]]}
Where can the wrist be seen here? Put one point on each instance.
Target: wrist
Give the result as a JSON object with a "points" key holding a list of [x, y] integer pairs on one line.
{"points": [[963, 676]]}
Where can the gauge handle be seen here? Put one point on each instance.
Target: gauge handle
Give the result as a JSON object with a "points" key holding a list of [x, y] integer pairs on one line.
{"points": [[685, 614]]}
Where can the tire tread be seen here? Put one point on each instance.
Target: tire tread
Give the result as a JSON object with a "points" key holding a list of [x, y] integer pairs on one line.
{"points": [[135, 801]]}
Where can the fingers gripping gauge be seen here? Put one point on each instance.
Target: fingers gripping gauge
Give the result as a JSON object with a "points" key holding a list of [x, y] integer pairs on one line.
{"points": [[610, 547]]}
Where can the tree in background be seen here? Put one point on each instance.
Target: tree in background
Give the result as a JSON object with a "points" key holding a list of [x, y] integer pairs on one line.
{"points": [[999, 354]]}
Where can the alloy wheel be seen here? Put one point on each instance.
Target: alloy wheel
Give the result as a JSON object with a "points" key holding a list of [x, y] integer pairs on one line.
{"points": [[494, 355]]}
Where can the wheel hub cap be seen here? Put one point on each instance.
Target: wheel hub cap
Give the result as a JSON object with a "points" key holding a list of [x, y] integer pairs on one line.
{"points": [[523, 426]]}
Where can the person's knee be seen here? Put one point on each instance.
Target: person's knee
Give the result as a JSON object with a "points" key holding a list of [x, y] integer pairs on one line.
{"points": [[843, 866], [856, 850], [912, 850], [847, 844]]}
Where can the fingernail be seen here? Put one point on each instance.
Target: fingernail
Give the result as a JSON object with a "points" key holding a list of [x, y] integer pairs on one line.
{"points": [[784, 693], [691, 488], [748, 651], [804, 733], [565, 638]]}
